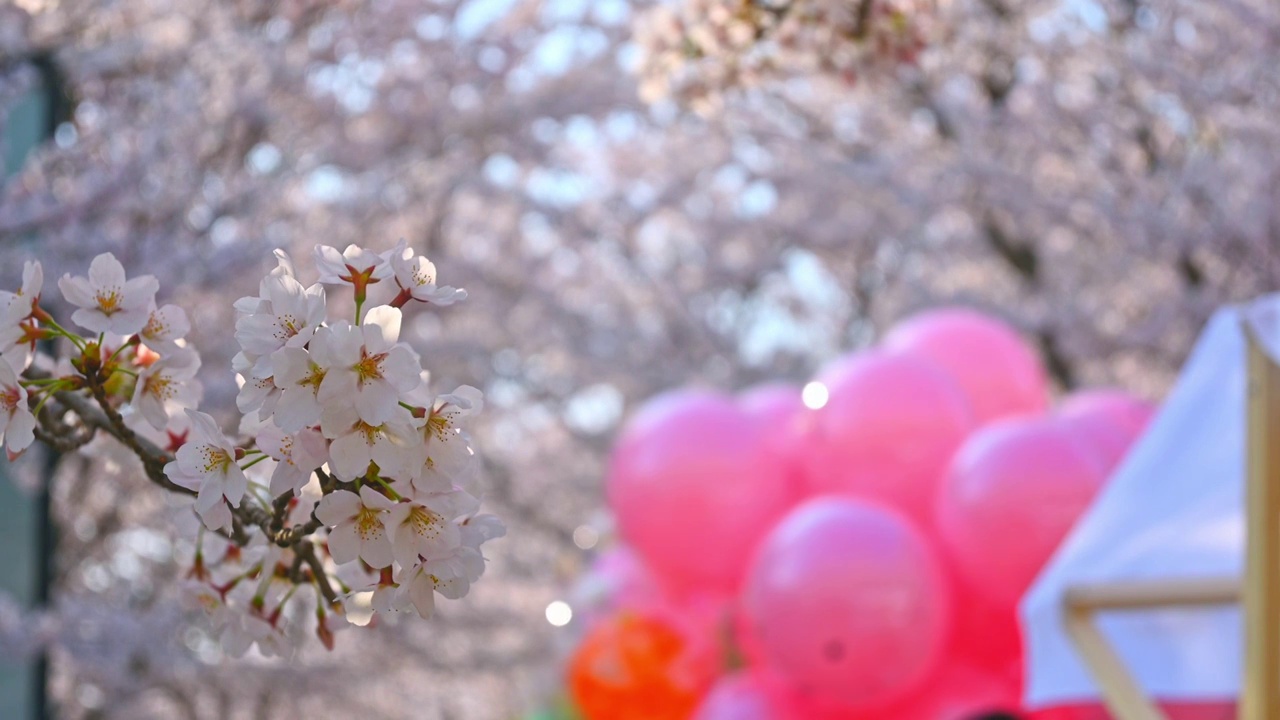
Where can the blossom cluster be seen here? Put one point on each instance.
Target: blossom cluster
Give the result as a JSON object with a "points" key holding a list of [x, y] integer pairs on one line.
{"points": [[696, 50], [345, 479]]}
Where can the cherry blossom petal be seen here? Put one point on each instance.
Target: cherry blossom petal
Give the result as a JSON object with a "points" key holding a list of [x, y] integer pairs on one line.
{"points": [[377, 402], [106, 272], [204, 427], [402, 368], [371, 498], [337, 507], [381, 327], [217, 517], [376, 550], [20, 432], [422, 594], [140, 291], [344, 543], [76, 290], [349, 456], [91, 320]]}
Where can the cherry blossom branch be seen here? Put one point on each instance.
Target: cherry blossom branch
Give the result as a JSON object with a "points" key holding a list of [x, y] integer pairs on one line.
{"points": [[333, 403], [307, 552], [105, 417], [153, 458], [57, 434]]}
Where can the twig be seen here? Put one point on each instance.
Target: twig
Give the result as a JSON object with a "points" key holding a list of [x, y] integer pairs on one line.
{"points": [[307, 552], [100, 414]]}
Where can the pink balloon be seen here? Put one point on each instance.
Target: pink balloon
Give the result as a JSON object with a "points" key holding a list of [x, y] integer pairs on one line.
{"points": [[739, 697], [616, 580], [848, 602], [746, 642], [779, 408], [1109, 421], [956, 693], [706, 622], [1013, 492], [694, 488], [619, 581], [745, 696], [887, 432], [999, 373]]}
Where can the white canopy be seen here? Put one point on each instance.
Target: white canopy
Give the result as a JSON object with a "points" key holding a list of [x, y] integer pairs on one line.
{"points": [[1172, 510]]}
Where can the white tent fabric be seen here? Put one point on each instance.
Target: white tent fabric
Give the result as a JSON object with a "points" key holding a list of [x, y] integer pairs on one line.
{"points": [[1173, 509]]}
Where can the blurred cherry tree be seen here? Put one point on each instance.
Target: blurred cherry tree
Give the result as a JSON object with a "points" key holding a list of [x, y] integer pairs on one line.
{"points": [[636, 197]]}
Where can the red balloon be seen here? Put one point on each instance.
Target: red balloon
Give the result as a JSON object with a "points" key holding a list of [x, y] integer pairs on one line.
{"points": [[887, 431], [634, 667], [694, 487], [619, 582], [1181, 710], [1109, 421], [999, 373], [956, 693], [1013, 492], [985, 636], [1081, 711], [848, 602]]}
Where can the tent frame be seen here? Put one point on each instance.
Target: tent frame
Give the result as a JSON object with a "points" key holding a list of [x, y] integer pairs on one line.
{"points": [[1259, 593]]}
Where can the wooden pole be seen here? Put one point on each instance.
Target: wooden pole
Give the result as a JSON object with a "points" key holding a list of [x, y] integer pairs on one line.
{"points": [[1260, 691], [1259, 594], [1146, 594], [1120, 692], [1081, 604]]}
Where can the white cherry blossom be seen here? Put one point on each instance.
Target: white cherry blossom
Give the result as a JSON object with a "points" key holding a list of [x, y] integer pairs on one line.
{"points": [[258, 394], [450, 574], [18, 333], [167, 380], [243, 631], [367, 369], [450, 409], [284, 264], [354, 266], [447, 455], [288, 317], [298, 377], [165, 327], [296, 456], [175, 432], [17, 424], [479, 529], [347, 397], [394, 446], [357, 526], [19, 305], [420, 531], [199, 595], [416, 277], [206, 463], [452, 578], [18, 337], [417, 588], [107, 301]]}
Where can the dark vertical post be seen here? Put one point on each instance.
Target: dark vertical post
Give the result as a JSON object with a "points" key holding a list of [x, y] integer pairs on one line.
{"points": [[26, 523]]}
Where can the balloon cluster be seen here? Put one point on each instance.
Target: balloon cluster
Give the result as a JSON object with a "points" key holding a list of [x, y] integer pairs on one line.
{"points": [[853, 550]]}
